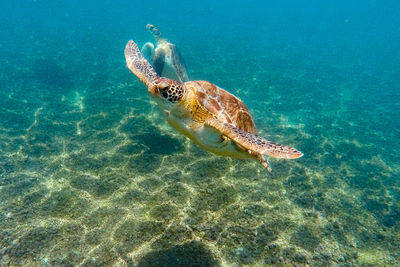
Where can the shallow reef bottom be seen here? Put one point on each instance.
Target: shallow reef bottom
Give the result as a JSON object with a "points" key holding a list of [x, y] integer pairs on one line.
{"points": [[92, 175]]}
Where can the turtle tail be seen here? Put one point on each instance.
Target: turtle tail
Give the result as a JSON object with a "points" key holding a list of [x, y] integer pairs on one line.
{"points": [[155, 31], [139, 65]]}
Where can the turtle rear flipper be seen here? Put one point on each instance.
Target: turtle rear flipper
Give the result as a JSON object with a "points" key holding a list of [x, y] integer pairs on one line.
{"points": [[254, 143], [154, 30], [138, 64]]}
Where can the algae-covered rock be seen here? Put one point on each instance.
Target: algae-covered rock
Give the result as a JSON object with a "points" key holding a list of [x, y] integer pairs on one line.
{"points": [[273, 254], [34, 197], [291, 256], [306, 199], [164, 212], [34, 242], [64, 203], [145, 163], [132, 233], [177, 192], [306, 238], [174, 177], [84, 162], [159, 144], [392, 219], [131, 198], [94, 236], [103, 216], [16, 185], [150, 184], [173, 235], [103, 255], [204, 170], [131, 149], [215, 197], [103, 186], [190, 254]]}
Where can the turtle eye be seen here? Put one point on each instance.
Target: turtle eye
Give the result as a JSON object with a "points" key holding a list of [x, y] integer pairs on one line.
{"points": [[163, 86], [164, 93]]}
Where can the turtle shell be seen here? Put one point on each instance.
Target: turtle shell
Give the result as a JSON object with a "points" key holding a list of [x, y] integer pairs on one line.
{"points": [[225, 106]]}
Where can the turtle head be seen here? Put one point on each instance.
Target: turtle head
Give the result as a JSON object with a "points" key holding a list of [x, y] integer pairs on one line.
{"points": [[167, 90]]}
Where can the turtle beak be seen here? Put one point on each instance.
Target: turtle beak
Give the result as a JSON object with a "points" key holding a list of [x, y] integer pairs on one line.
{"points": [[157, 89], [153, 89]]}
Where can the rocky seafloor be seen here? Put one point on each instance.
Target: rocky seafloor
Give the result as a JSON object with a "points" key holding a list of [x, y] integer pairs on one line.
{"points": [[92, 175]]}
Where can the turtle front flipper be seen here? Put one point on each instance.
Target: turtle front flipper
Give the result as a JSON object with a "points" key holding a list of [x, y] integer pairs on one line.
{"points": [[159, 61], [148, 51], [179, 65], [254, 143], [139, 65]]}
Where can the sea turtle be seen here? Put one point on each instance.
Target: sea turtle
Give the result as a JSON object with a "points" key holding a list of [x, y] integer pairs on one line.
{"points": [[165, 57], [210, 116]]}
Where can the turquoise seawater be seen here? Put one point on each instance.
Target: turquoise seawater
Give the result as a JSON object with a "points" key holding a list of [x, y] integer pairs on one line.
{"points": [[91, 174]]}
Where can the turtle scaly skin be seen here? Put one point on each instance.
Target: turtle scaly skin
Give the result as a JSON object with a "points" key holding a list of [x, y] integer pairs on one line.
{"points": [[211, 117]]}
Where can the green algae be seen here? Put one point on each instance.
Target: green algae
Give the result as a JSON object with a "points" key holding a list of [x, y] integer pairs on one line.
{"points": [[144, 164], [177, 192], [178, 255], [131, 234], [306, 237], [104, 216], [215, 197], [103, 186], [64, 203], [164, 212], [175, 234], [103, 255], [34, 241]]}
